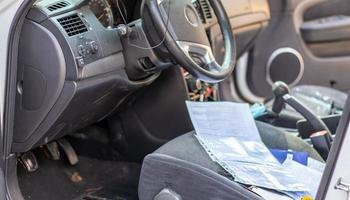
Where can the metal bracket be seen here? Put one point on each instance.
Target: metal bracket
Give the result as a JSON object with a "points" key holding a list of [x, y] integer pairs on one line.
{"points": [[343, 186]]}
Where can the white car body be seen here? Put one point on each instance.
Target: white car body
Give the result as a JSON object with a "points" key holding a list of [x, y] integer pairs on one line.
{"points": [[8, 11]]}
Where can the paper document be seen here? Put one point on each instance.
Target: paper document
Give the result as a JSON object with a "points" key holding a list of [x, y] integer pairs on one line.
{"points": [[229, 134], [310, 177]]}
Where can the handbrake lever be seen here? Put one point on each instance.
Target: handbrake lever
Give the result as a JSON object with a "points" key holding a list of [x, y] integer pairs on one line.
{"points": [[312, 118], [322, 142]]}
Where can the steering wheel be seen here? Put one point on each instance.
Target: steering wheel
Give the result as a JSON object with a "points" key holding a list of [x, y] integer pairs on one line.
{"points": [[175, 28]]}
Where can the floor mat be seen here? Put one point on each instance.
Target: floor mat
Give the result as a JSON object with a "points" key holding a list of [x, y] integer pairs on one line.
{"points": [[90, 179], [95, 142]]}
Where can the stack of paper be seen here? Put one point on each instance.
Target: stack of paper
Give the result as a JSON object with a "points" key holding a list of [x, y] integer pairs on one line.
{"points": [[229, 134]]}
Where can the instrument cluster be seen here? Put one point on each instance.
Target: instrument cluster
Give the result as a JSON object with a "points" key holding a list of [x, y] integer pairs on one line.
{"points": [[110, 13]]}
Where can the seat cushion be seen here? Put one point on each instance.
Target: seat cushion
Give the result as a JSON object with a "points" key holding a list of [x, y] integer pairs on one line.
{"points": [[187, 147], [309, 93], [183, 166]]}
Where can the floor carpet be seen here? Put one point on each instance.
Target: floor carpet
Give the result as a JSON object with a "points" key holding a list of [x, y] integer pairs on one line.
{"points": [[90, 179]]}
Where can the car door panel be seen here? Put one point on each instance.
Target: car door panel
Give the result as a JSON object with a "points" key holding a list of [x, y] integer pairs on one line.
{"points": [[328, 29], [328, 37], [295, 24]]}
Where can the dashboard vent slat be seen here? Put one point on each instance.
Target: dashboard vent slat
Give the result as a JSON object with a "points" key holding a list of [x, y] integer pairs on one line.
{"points": [[198, 8], [206, 9], [57, 5], [73, 25]]}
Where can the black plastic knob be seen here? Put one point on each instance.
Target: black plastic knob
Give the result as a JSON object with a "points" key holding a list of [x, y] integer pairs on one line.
{"points": [[279, 89]]}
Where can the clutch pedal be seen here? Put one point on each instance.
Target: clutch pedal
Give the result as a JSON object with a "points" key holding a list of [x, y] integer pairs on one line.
{"points": [[53, 150]]}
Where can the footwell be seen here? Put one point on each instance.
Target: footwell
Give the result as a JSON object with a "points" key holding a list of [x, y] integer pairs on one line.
{"points": [[90, 179]]}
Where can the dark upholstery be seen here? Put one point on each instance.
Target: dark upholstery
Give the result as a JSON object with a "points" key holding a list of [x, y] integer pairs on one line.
{"points": [[188, 180], [187, 147], [319, 92], [175, 165]]}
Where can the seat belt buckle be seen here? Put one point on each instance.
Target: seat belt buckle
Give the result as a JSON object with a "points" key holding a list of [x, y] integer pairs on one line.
{"points": [[322, 143]]}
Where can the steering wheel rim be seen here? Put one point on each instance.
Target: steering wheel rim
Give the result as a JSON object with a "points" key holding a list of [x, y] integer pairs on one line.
{"points": [[183, 35]]}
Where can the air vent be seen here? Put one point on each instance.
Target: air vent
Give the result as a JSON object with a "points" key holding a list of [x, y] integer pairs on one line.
{"points": [[73, 25], [198, 8], [58, 5], [206, 9]]}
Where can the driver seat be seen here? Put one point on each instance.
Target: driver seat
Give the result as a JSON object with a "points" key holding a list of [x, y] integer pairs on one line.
{"points": [[181, 169]]}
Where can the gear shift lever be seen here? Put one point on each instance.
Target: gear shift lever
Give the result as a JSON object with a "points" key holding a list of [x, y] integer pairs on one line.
{"points": [[279, 89], [282, 97]]}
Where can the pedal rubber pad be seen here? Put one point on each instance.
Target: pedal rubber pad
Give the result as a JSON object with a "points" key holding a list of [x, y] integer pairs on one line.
{"points": [[53, 150], [69, 151]]}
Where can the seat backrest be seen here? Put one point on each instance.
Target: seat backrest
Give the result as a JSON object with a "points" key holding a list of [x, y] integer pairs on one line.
{"points": [[172, 178]]}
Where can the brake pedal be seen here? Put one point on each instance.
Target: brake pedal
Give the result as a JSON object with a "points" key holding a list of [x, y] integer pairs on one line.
{"points": [[69, 151], [53, 150], [29, 161]]}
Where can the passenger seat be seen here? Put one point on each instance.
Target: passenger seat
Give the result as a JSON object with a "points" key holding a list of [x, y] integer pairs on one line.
{"points": [[322, 100]]}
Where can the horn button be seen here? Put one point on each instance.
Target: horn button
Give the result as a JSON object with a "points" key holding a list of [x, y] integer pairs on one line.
{"points": [[185, 24]]}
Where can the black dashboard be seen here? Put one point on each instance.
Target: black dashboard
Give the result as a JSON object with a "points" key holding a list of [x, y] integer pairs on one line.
{"points": [[86, 30], [71, 69], [73, 64]]}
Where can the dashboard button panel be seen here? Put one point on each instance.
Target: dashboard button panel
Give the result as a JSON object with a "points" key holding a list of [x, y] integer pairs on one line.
{"points": [[87, 47]]}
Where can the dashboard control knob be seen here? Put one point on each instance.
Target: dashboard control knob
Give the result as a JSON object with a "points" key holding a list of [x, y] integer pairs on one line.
{"points": [[81, 50], [93, 47]]}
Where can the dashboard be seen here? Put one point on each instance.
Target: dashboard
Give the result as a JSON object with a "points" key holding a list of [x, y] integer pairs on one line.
{"points": [[70, 57], [85, 31], [110, 13], [73, 66]]}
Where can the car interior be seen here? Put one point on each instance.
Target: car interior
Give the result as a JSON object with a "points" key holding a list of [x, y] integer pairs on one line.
{"points": [[101, 84]]}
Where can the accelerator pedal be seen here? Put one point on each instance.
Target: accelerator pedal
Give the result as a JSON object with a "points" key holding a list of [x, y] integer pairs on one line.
{"points": [[69, 151]]}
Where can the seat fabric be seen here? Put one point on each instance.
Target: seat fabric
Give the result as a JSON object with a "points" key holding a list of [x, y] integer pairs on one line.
{"points": [[323, 94], [187, 149], [189, 181]]}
